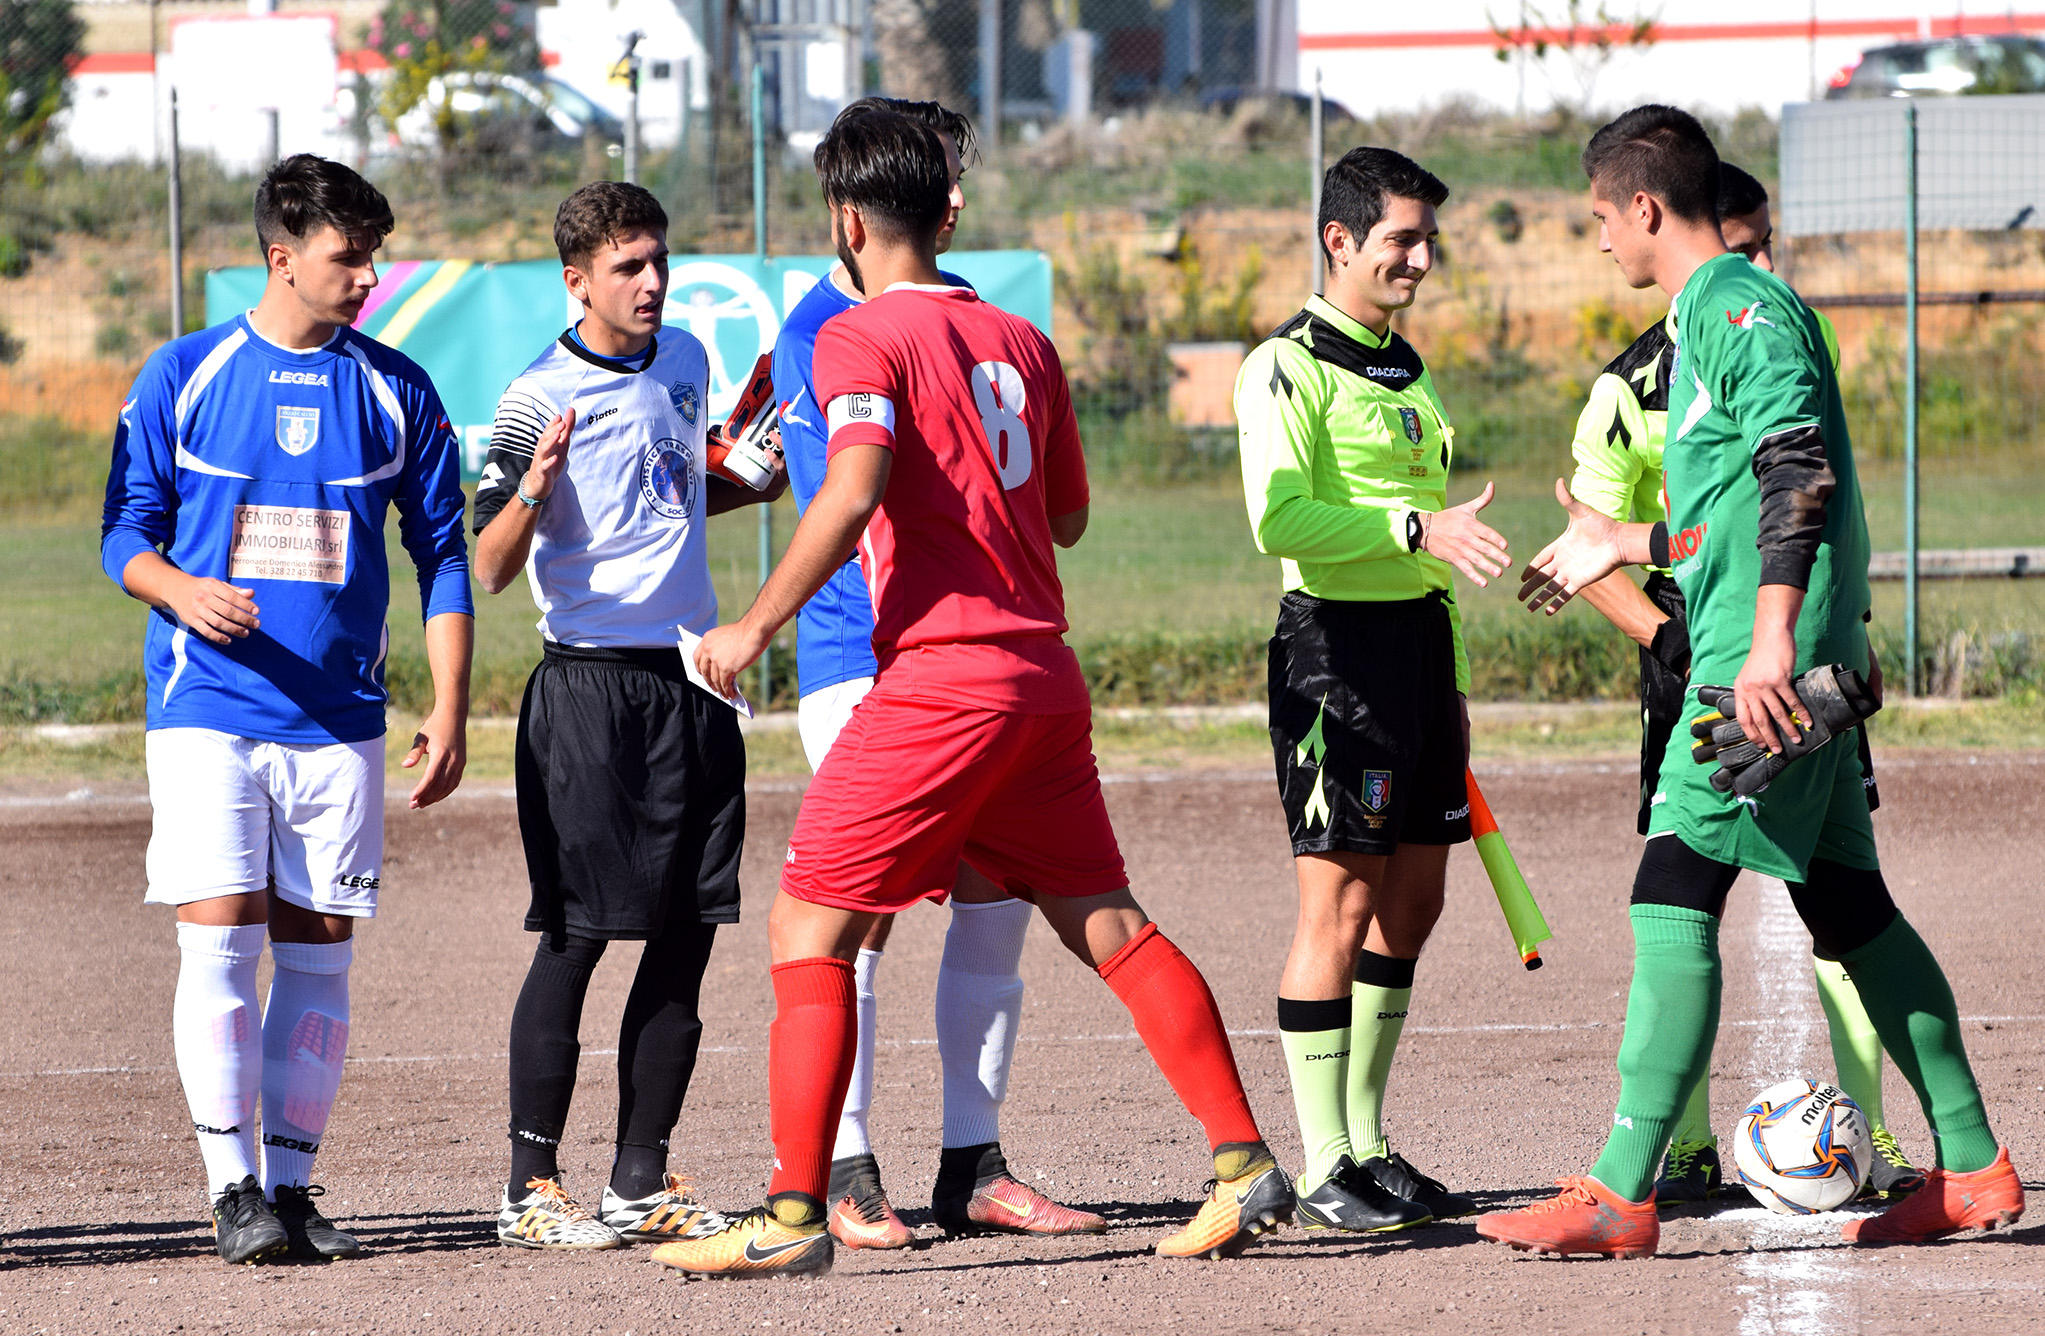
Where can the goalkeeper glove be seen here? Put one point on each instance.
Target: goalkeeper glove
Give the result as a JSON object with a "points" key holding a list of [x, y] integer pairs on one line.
{"points": [[1834, 698]]}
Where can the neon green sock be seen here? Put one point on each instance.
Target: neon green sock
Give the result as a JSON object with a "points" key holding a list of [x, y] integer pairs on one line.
{"points": [[1695, 1122], [1381, 997], [1316, 1039], [1856, 1048], [1671, 1020], [1911, 1004]]}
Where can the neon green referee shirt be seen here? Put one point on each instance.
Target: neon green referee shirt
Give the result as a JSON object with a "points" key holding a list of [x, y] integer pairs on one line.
{"points": [[1342, 439]]}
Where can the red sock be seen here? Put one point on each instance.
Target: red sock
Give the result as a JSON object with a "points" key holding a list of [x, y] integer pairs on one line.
{"points": [[810, 1048], [1180, 1025]]}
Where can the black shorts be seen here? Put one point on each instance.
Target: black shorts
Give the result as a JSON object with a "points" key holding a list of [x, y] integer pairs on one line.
{"points": [[1663, 700], [631, 795], [1366, 726]]}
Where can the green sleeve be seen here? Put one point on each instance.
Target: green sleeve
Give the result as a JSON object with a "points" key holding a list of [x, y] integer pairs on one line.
{"points": [[1831, 335], [1762, 368], [1281, 414], [1610, 445]]}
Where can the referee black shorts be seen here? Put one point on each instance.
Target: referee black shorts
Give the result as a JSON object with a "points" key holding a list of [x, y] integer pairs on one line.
{"points": [[631, 795], [1366, 726], [1663, 698]]}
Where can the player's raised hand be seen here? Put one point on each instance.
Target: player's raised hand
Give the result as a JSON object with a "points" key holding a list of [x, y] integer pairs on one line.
{"points": [[550, 456], [217, 610], [726, 652], [1458, 537], [1588, 551], [442, 744]]}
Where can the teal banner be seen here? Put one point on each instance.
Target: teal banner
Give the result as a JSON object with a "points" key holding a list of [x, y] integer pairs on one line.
{"points": [[475, 326]]}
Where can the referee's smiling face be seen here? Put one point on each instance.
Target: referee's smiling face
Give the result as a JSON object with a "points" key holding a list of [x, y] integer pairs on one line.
{"points": [[1397, 252]]}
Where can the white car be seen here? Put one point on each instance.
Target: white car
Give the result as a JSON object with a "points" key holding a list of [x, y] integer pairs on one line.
{"points": [[509, 113]]}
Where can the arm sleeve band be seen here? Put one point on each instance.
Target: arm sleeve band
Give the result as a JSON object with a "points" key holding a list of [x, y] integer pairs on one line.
{"points": [[1658, 544], [1796, 481]]}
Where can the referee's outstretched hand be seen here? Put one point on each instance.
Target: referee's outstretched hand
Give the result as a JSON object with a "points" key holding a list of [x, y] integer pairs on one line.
{"points": [[1458, 537], [1587, 552]]}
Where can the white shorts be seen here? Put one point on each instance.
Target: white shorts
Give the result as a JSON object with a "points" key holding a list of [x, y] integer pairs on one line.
{"points": [[234, 815], [821, 715]]}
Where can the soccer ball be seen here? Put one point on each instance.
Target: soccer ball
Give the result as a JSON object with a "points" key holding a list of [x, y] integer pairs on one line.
{"points": [[1802, 1148]]}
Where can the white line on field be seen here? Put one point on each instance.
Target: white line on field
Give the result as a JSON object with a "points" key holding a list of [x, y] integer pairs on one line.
{"points": [[1796, 1293], [409, 1058]]}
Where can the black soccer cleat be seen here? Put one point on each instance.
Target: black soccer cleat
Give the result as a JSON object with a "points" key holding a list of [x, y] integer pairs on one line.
{"points": [[244, 1229], [313, 1236], [1401, 1179], [1892, 1176], [1351, 1200], [1691, 1173]]}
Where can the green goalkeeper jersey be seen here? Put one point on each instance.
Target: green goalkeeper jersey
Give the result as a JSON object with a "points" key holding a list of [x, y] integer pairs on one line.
{"points": [[1619, 435], [1752, 367], [1343, 440]]}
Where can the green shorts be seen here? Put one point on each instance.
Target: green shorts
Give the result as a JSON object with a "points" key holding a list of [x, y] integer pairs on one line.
{"points": [[1817, 808]]}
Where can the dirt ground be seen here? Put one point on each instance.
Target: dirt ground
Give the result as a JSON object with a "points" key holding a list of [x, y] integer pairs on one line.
{"points": [[1504, 1080]]}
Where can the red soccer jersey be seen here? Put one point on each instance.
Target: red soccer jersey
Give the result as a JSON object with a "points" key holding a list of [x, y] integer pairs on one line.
{"points": [[973, 403]]}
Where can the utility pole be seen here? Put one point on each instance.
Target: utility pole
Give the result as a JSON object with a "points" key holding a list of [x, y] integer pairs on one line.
{"points": [[177, 227]]}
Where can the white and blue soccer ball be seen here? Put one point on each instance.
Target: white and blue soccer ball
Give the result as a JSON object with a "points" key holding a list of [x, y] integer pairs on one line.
{"points": [[1802, 1148]]}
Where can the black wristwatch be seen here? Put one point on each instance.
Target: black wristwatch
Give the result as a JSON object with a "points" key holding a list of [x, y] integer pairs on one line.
{"points": [[1416, 533]]}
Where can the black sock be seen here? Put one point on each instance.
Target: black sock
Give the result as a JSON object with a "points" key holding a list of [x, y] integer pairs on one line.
{"points": [[544, 1051], [657, 1043], [963, 1169]]}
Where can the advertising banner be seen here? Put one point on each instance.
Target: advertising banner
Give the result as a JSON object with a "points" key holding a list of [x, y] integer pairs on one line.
{"points": [[475, 326]]}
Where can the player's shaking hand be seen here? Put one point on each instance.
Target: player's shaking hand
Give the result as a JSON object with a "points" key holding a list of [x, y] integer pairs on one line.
{"points": [[1458, 537], [550, 456]]}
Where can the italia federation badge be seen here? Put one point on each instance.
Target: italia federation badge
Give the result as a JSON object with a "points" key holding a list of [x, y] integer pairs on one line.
{"points": [[1411, 418], [298, 429], [685, 400], [1377, 789], [668, 478]]}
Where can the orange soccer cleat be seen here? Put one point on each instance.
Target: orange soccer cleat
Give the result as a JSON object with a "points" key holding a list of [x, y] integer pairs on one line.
{"points": [[1004, 1206], [868, 1223], [757, 1243], [1236, 1211], [1585, 1217], [1946, 1204]]}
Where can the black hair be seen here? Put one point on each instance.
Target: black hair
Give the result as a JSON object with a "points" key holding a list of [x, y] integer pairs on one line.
{"points": [[305, 193], [933, 114], [601, 212], [1659, 151], [1739, 194], [1354, 191], [889, 166]]}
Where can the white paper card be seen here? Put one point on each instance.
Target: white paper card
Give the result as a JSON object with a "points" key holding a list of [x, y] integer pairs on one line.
{"points": [[736, 700]]}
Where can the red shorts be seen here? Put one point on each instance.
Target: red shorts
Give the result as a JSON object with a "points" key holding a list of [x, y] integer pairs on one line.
{"points": [[912, 785]]}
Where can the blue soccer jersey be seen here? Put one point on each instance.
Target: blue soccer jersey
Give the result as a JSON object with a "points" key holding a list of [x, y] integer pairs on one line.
{"points": [[834, 630], [272, 470]]}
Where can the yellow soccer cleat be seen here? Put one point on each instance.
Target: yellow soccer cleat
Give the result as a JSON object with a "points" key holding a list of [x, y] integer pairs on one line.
{"points": [[1236, 1211], [754, 1244]]}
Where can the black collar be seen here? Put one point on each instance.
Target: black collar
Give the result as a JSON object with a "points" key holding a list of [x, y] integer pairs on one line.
{"points": [[1395, 366], [623, 366]]}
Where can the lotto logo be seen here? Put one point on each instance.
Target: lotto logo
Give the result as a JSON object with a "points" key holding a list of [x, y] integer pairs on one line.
{"points": [[297, 378]]}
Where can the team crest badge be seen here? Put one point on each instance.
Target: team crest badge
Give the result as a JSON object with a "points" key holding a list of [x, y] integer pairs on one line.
{"points": [[668, 479], [1411, 418], [298, 429], [1377, 789], [686, 403]]}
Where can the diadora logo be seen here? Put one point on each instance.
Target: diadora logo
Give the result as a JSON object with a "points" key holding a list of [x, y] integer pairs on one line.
{"points": [[1329, 1057], [598, 416], [1686, 543], [1748, 318], [1458, 814], [299, 378], [1391, 373], [366, 881], [1391, 1015]]}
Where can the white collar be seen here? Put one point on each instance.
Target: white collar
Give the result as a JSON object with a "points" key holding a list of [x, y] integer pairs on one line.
{"points": [[923, 287]]}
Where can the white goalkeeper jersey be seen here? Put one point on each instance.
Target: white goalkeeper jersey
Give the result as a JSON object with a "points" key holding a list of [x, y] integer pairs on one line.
{"points": [[618, 558]]}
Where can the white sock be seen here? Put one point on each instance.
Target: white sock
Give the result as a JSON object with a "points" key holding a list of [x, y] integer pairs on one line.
{"points": [[305, 1037], [852, 1137], [218, 1042], [979, 1002]]}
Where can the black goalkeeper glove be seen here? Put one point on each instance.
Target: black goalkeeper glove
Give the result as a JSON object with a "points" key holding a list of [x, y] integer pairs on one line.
{"points": [[1833, 696]]}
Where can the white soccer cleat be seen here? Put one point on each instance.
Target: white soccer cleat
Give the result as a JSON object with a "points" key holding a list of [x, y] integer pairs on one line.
{"points": [[547, 1217], [671, 1213]]}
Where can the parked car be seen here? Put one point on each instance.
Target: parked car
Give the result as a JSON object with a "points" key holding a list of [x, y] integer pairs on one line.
{"points": [[1947, 66], [511, 113], [1224, 100]]}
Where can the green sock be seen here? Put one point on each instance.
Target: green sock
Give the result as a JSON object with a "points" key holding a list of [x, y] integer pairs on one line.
{"points": [[1911, 1004], [1316, 1039], [1695, 1122], [1383, 992], [1856, 1048], [1671, 1021]]}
